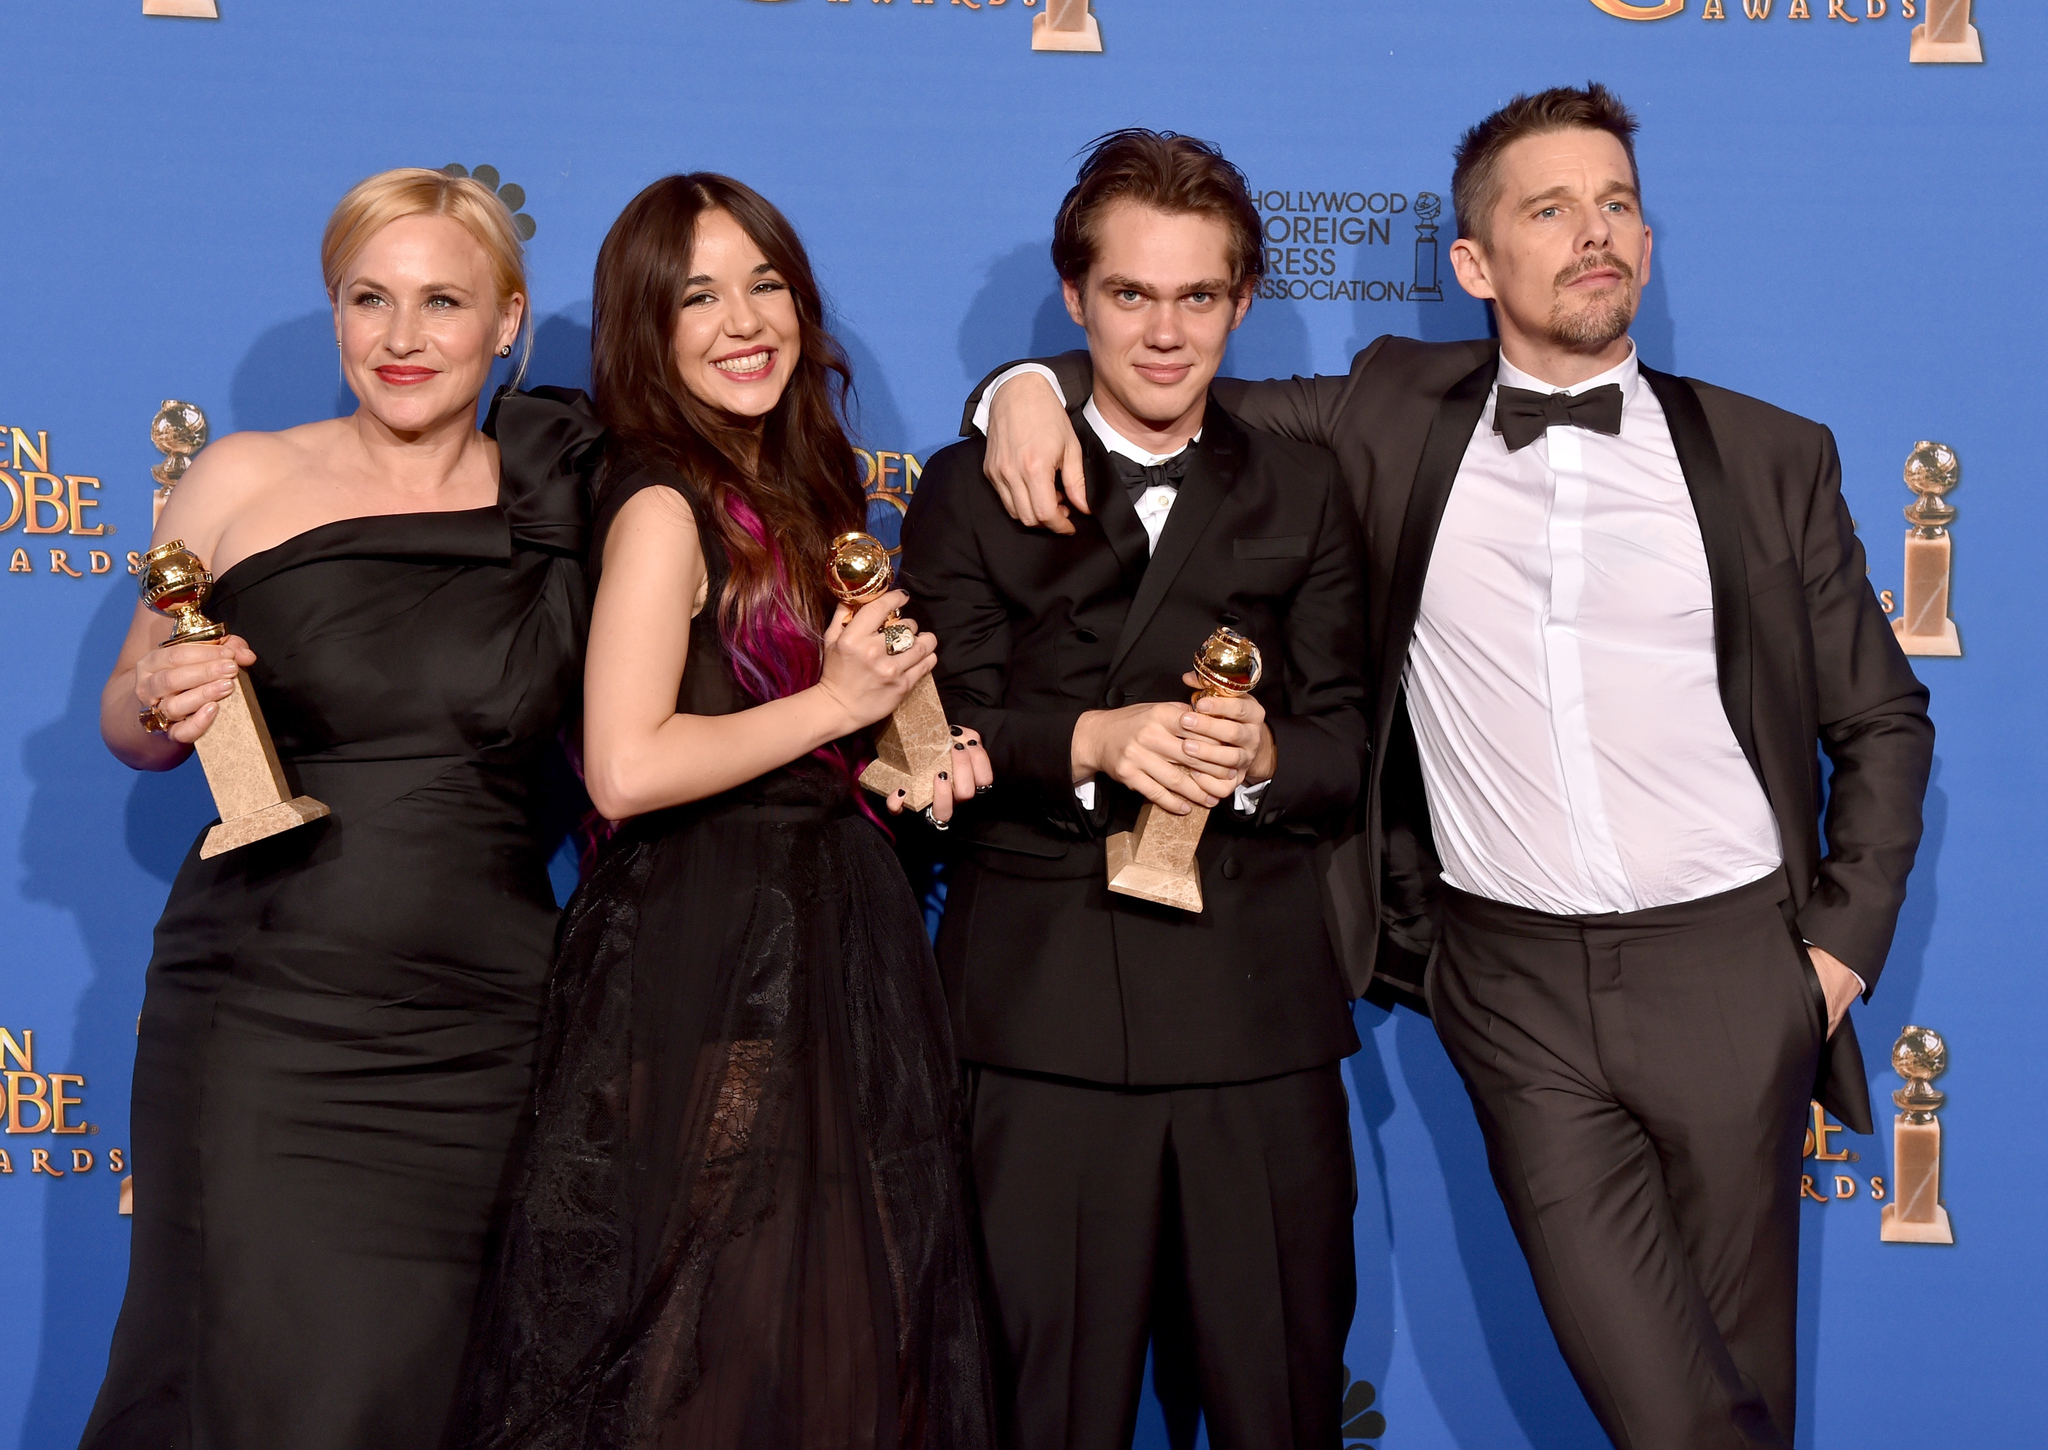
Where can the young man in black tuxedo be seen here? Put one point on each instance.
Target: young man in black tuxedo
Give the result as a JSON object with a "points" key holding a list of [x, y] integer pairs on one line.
{"points": [[1615, 617], [1160, 1136]]}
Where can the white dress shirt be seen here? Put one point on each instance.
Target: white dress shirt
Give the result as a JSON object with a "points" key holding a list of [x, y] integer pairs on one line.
{"points": [[1562, 681], [1153, 507]]}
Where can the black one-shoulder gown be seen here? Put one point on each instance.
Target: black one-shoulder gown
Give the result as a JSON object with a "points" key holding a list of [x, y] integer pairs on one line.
{"points": [[338, 1031], [742, 1222]]}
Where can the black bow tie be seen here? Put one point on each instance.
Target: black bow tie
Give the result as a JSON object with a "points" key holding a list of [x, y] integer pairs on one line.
{"points": [[1137, 477], [1521, 416]]}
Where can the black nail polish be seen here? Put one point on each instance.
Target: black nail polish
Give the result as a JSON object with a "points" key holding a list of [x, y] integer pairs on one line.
{"points": [[958, 746], [956, 729], [942, 775], [902, 792]]}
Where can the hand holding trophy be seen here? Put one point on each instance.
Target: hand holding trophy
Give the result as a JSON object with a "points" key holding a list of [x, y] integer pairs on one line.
{"points": [[249, 788], [915, 745], [1156, 861]]}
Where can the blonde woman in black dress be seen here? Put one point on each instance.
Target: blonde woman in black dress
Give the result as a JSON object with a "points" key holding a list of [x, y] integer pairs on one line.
{"points": [[337, 1034]]}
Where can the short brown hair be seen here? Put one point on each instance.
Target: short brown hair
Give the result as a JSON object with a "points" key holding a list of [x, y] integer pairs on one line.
{"points": [[1168, 173], [1475, 184]]}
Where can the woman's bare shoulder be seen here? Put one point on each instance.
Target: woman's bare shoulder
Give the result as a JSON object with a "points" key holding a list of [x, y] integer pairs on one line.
{"points": [[232, 477]]}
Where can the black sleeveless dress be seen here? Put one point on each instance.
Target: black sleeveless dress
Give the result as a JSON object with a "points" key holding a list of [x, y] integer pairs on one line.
{"points": [[338, 1029], [741, 1220]]}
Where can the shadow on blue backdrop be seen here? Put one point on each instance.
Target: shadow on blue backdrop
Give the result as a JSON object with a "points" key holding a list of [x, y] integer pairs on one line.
{"points": [[290, 375], [1017, 306], [1370, 1347]]}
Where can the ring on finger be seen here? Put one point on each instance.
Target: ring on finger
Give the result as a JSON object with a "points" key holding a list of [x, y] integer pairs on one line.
{"points": [[897, 637], [936, 823], [153, 720]]}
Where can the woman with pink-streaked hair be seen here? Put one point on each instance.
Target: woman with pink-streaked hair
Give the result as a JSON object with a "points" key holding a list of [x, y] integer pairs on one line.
{"points": [[742, 1219]]}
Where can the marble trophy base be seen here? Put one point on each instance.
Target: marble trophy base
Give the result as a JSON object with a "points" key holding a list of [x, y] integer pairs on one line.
{"points": [[1895, 1228], [249, 788], [1088, 37], [1156, 861], [1967, 51], [913, 748], [188, 9], [1923, 625], [1915, 1214]]}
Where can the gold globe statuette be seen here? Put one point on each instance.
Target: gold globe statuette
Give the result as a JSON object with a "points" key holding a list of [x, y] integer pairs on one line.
{"points": [[1155, 861], [916, 744], [1916, 1215], [242, 769]]}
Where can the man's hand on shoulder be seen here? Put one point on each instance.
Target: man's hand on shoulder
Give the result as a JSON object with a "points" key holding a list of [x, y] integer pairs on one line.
{"points": [[1032, 452]]}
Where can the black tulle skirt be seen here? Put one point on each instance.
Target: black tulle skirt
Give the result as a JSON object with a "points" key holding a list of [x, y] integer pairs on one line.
{"points": [[741, 1219]]}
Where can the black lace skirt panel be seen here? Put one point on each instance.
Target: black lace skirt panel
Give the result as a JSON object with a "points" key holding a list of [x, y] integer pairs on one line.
{"points": [[741, 1219]]}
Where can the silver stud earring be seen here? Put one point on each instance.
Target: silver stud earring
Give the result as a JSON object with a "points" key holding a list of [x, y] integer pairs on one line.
{"points": [[505, 351]]}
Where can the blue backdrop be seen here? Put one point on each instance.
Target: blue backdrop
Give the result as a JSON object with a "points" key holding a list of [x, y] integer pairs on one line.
{"points": [[1843, 233]]}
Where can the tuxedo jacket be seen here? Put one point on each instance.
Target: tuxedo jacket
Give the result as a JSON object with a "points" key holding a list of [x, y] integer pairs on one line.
{"points": [[1046, 969], [1807, 663]]}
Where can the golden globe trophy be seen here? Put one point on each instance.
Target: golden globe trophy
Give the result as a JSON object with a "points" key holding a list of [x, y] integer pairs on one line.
{"points": [[1915, 1214], [1065, 25], [249, 788], [1156, 860], [1932, 470], [178, 431], [1946, 36], [916, 744]]}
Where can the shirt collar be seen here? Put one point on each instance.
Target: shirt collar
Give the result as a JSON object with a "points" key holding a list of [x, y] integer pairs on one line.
{"points": [[1623, 373], [1115, 442]]}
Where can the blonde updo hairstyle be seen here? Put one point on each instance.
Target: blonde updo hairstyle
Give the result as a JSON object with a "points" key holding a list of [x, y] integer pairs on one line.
{"points": [[377, 201]]}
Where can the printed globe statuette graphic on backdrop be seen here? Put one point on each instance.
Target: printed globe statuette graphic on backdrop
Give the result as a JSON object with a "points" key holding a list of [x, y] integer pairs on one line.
{"points": [[511, 193], [1916, 1214], [1927, 626], [177, 431], [1919, 1056], [1932, 471]]}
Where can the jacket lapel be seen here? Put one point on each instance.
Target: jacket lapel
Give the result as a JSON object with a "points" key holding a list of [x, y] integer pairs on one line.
{"points": [[1212, 469], [1450, 434], [1715, 506]]}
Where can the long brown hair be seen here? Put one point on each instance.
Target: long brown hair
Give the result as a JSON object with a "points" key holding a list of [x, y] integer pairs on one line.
{"points": [[775, 492]]}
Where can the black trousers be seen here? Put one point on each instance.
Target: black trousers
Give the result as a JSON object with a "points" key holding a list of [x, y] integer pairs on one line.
{"points": [[1642, 1081], [1211, 1222]]}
